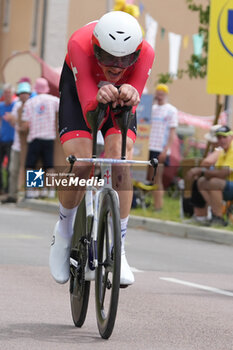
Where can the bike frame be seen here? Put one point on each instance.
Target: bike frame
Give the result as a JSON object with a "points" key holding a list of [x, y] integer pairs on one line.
{"points": [[93, 199]]}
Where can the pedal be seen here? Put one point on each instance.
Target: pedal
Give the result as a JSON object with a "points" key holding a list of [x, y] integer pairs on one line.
{"points": [[74, 263]]}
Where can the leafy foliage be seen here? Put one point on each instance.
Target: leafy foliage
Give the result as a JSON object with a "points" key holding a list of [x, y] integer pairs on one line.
{"points": [[196, 65], [165, 78]]}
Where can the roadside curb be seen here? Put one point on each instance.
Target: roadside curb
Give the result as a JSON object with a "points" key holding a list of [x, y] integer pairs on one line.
{"points": [[182, 230], [40, 205], [170, 228]]}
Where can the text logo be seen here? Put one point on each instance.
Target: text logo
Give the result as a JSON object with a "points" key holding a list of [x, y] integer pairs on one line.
{"points": [[225, 26], [35, 178]]}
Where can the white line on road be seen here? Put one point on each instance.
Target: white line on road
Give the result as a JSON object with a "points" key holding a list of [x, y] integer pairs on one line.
{"points": [[199, 286], [18, 236], [14, 211]]}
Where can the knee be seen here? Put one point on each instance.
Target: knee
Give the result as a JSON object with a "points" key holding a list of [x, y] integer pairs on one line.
{"points": [[113, 149], [208, 184], [79, 150], [201, 183]]}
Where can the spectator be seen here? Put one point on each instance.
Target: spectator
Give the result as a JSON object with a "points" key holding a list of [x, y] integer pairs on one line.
{"points": [[27, 80], [200, 208], [6, 132], [164, 121], [14, 118], [216, 185], [39, 117]]}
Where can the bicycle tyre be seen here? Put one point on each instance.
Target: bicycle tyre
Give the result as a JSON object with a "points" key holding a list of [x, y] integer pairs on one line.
{"points": [[79, 288], [109, 262]]}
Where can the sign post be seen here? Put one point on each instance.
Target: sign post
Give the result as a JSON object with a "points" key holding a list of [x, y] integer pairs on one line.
{"points": [[220, 54]]}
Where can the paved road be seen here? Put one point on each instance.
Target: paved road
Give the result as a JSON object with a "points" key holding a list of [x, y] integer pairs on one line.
{"points": [[181, 300]]}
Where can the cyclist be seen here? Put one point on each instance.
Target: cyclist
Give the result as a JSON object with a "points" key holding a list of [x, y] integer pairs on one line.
{"points": [[108, 62]]}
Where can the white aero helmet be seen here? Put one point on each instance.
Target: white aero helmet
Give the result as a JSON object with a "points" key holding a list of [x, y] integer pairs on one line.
{"points": [[117, 39]]}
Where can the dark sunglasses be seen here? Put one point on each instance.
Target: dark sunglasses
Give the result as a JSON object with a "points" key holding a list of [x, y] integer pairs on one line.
{"points": [[112, 61]]}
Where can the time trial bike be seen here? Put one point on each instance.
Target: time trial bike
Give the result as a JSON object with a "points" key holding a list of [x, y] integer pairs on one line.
{"points": [[96, 243]]}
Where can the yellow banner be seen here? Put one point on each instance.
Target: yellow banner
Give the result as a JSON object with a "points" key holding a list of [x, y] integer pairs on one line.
{"points": [[220, 55]]}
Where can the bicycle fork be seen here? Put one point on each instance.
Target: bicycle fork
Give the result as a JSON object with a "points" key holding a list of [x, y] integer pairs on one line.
{"points": [[92, 196]]}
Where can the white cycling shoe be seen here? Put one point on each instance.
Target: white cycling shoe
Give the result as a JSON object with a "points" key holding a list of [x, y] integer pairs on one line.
{"points": [[59, 258], [127, 277], [59, 262]]}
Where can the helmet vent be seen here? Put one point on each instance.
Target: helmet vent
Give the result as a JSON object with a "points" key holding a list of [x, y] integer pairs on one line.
{"points": [[128, 37], [119, 32], [112, 36]]}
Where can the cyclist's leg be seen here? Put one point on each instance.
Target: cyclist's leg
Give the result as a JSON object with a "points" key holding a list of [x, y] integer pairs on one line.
{"points": [[121, 174], [69, 199], [76, 140], [122, 182]]}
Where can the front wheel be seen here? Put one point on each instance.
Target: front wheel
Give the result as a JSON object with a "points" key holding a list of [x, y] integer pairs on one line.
{"points": [[79, 288], [107, 281]]}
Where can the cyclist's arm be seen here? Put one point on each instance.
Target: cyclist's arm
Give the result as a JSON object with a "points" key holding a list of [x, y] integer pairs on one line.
{"points": [[86, 86], [142, 69]]}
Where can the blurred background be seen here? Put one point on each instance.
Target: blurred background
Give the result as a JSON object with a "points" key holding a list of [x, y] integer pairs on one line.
{"points": [[43, 27], [34, 36]]}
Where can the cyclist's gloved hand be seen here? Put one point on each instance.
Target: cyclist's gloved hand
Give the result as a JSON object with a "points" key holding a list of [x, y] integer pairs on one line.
{"points": [[128, 95], [107, 93]]}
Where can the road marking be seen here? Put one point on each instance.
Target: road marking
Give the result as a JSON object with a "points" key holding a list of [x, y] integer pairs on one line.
{"points": [[19, 236], [14, 211], [199, 286]]}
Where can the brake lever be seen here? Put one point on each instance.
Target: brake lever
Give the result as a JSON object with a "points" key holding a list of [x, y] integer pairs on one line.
{"points": [[71, 159], [154, 163]]}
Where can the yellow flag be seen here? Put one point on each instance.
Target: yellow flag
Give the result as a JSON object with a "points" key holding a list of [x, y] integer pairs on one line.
{"points": [[220, 55], [185, 41]]}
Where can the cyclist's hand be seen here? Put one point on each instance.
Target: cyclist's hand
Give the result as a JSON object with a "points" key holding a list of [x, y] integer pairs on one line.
{"points": [[128, 95], [107, 93]]}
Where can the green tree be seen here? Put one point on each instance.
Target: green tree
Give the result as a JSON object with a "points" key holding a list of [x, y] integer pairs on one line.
{"points": [[196, 65]]}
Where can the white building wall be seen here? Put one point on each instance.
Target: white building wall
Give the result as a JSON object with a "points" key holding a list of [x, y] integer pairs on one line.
{"points": [[56, 32]]}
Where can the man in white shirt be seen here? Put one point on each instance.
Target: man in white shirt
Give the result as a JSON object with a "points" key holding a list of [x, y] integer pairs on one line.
{"points": [[164, 120], [39, 117]]}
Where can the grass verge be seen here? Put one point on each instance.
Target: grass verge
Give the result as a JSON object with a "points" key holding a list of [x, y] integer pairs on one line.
{"points": [[170, 212]]}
